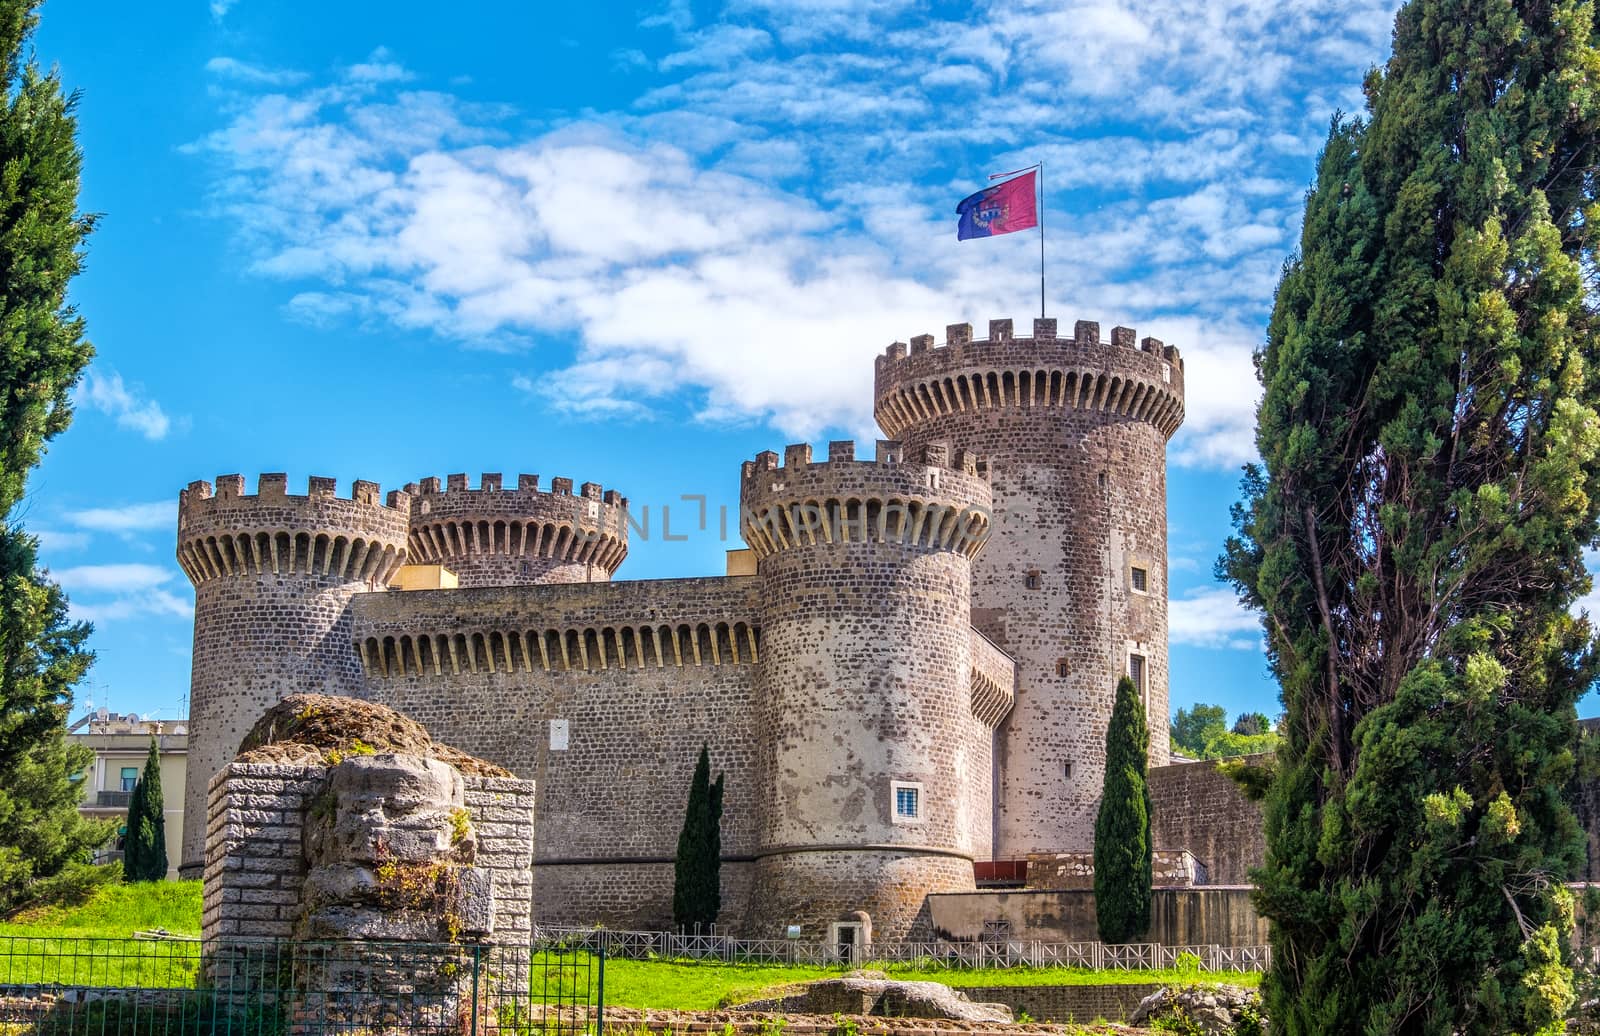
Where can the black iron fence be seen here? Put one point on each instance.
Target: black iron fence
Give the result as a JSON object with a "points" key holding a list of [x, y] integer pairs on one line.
{"points": [[127, 987]]}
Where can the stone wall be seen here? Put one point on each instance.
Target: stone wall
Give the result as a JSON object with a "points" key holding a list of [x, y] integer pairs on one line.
{"points": [[255, 884], [1197, 808], [1067, 1005], [1178, 917], [1074, 431], [1168, 867], [611, 740]]}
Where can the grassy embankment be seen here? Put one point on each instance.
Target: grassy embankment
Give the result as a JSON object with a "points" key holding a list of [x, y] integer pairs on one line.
{"points": [[84, 944]]}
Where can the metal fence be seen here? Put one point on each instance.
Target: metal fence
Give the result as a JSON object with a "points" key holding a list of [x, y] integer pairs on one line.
{"points": [[126, 987], [999, 953]]}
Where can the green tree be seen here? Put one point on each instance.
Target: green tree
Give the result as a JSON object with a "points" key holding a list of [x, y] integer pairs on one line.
{"points": [[144, 856], [42, 355], [1415, 537], [1252, 724], [1122, 850], [1192, 727], [697, 873]]}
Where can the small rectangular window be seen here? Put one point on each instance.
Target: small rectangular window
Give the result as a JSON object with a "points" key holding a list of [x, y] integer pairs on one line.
{"points": [[1066, 770], [1063, 668], [1141, 580], [1136, 671], [907, 798], [130, 777], [1033, 580]]}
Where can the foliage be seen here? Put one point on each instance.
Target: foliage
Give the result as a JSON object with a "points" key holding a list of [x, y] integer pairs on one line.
{"points": [[1190, 727], [1203, 733], [144, 856], [1252, 777], [42, 355], [1252, 724], [1415, 537], [1122, 850], [697, 874]]}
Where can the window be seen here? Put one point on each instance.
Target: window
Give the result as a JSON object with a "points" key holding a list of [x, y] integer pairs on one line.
{"points": [[130, 777], [1140, 578], [1063, 668], [1136, 671], [1102, 479], [1066, 770], [907, 798], [1033, 580]]}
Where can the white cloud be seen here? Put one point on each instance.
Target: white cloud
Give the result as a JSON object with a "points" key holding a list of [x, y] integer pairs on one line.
{"points": [[754, 229], [158, 515], [127, 404], [125, 590], [54, 540], [233, 68], [117, 578], [1213, 619], [220, 8]]}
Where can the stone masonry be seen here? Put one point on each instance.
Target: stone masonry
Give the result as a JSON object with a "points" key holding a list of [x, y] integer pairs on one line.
{"points": [[1074, 431], [918, 675]]}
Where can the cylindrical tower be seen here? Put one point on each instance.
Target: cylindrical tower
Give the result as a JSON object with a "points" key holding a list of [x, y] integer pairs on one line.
{"points": [[273, 575], [1073, 584], [875, 770], [491, 536]]}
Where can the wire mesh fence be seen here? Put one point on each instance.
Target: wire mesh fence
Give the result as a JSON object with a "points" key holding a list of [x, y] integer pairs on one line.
{"points": [[125, 987], [995, 953]]}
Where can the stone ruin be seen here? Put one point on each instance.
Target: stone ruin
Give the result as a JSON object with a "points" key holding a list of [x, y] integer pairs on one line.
{"points": [[382, 856]]}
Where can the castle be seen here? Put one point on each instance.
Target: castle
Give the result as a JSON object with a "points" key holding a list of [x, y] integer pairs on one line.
{"points": [[911, 668]]}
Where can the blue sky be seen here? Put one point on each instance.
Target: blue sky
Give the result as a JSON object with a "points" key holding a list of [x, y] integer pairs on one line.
{"points": [[636, 245]]}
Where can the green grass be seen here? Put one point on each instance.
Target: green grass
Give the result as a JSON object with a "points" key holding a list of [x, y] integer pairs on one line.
{"points": [[88, 943], [698, 986], [115, 911]]}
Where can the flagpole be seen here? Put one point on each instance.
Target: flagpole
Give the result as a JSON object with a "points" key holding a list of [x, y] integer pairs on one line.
{"points": [[1041, 240]]}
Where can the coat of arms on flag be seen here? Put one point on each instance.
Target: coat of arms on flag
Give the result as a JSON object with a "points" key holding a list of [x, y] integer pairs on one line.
{"points": [[1002, 209]]}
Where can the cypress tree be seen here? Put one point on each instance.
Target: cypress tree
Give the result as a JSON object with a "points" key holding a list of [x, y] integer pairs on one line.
{"points": [[144, 856], [697, 873], [1415, 535], [1122, 852], [42, 355]]}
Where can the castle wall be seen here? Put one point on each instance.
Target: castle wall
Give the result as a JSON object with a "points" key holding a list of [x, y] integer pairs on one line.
{"points": [[1074, 432], [1195, 807], [1178, 917], [651, 671]]}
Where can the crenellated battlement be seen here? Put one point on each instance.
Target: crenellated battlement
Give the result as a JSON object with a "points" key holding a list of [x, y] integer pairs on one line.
{"points": [[939, 499], [498, 536], [1120, 374], [223, 531]]}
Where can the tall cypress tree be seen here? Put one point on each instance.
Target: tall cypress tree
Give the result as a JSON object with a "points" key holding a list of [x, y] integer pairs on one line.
{"points": [[1429, 437], [42, 355], [144, 856], [1122, 851], [697, 873]]}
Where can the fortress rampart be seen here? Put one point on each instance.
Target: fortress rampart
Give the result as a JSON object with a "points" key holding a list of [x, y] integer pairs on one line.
{"points": [[493, 536], [953, 609], [1072, 584], [273, 576], [611, 741]]}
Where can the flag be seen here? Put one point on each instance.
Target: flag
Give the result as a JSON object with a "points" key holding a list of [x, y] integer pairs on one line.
{"points": [[1002, 209]]}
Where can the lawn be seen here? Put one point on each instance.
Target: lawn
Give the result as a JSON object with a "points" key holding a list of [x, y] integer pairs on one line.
{"points": [[699, 986], [90, 943]]}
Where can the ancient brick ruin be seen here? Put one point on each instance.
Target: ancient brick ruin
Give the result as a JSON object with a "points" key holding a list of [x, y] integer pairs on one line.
{"points": [[917, 675]]}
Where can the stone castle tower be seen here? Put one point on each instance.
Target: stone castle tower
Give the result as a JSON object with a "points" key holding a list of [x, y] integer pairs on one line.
{"points": [[1073, 585], [273, 577], [915, 673], [875, 768]]}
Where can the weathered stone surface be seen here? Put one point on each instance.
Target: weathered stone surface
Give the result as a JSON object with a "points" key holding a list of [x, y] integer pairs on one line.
{"points": [[1217, 1010], [873, 993]]}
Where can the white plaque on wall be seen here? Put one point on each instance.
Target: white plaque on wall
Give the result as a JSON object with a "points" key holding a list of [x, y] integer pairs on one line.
{"points": [[558, 735]]}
